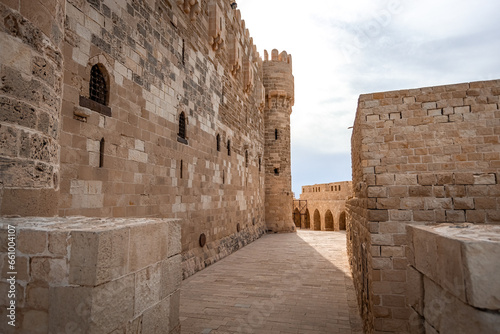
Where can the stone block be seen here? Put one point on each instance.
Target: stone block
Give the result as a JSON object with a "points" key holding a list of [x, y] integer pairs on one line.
{"points": [[35, 321], [157, 318], [31, 242], [92, 310], [99, 256], [171, 275], [447, 314], [144, 241], [147, 288], [485, 179], [174, 238], [482, 268]]}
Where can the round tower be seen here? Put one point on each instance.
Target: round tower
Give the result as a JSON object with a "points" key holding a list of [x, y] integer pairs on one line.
{"points": [[31, 67], [279, 87]]}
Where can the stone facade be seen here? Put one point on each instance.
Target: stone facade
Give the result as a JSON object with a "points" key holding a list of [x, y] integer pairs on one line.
{"points": [[453, 284], [322, 206], [151, 108], [419, 156], [88, 275]]}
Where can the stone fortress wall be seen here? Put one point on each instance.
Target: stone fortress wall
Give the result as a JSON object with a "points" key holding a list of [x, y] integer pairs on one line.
{"points": [[325, 208], [163, 63], [421, 156]]}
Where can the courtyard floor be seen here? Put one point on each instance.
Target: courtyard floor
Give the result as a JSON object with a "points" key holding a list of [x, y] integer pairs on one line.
{"points": [[281, 283]]}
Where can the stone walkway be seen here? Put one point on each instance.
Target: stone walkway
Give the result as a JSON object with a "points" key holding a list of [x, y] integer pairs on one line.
{"points": [[281, 283]]}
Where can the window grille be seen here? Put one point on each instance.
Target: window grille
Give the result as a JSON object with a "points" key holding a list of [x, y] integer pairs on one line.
{"points": [[98, 91]]}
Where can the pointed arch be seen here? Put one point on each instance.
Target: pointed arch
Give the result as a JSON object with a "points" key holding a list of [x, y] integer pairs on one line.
{"points": [[307, 219], [329, 221], [317, 220], [342, 221], [296, 217]]}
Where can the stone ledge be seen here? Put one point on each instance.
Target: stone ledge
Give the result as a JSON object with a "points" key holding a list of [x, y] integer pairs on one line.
{"points": [[461, 258]]}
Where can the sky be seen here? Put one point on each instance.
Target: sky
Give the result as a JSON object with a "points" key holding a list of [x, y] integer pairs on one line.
{"points": [[342, 49]]}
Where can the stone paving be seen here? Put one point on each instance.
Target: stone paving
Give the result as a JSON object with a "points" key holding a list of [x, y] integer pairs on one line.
{"points": [[282, 283]]}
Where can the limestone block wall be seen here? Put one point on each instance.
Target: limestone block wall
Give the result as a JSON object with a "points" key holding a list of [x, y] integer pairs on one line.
{"points": [[329, 201], [419, 156], [453, 284], [31, 71], [166, 63], [88, 275], [279, 90]]}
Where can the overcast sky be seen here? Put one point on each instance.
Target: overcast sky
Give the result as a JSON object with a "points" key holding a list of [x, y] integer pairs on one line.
{"points": [[342, 49]]}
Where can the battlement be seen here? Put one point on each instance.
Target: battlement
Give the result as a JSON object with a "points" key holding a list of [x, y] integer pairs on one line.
{"points": [[276, 56], [278, 76]]}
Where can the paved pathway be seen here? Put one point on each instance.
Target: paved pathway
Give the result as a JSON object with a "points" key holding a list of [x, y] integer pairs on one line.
{"points": [[281, 283]]}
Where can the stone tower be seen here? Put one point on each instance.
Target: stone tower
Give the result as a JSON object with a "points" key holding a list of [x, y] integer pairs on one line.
{"points": [[279, 86], [31, 36]]}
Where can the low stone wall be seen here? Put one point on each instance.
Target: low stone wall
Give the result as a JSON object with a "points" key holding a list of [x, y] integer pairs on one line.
{"points": [[452, 280], [90, 275]]}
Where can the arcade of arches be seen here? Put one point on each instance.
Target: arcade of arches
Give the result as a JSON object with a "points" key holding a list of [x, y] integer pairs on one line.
{"points": [[322, 207]]}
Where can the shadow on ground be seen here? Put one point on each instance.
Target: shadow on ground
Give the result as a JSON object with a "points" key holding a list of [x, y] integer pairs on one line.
{"points": [[281, 283]]}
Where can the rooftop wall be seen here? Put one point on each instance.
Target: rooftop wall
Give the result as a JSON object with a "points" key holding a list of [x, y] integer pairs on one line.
{"points": [[419, 156]]}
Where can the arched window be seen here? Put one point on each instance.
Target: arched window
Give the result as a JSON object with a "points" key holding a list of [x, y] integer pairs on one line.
{"points": [[181, 136], [218, 142], [98, 90], [228, 147]]}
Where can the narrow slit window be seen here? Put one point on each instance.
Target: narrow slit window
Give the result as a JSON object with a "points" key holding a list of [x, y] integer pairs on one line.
{"points": [[260, 164], [228, 147], [218, 142], [182, 126], [98, 90], [223, 177], [246, 158], [182, 162], [183, 52], [275, 134], [101, 153]]}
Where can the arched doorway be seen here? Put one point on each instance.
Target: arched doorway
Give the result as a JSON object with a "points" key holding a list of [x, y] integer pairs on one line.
{"points": [[307, 220], [296, 217], [342, 221], [317, 220], [329, 221]]}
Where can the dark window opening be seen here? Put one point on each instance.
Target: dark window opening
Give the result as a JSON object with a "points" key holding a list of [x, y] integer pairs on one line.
{"points": [[98, 90], [228, 147], [218, 142], [275, 134], [181, 136], [276, 171], [182, 162], [246, 158], [339, 188], [183, 52], [260, 164], [223, 177], [101, 153]]}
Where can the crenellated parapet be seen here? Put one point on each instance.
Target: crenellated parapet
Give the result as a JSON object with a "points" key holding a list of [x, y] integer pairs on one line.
{"points": [[278, 77]]}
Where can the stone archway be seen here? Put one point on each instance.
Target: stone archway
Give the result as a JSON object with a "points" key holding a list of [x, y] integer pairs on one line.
{"points": [[307, 220], [329, 221], [317, 220], [342, 221], [296, 217]]}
